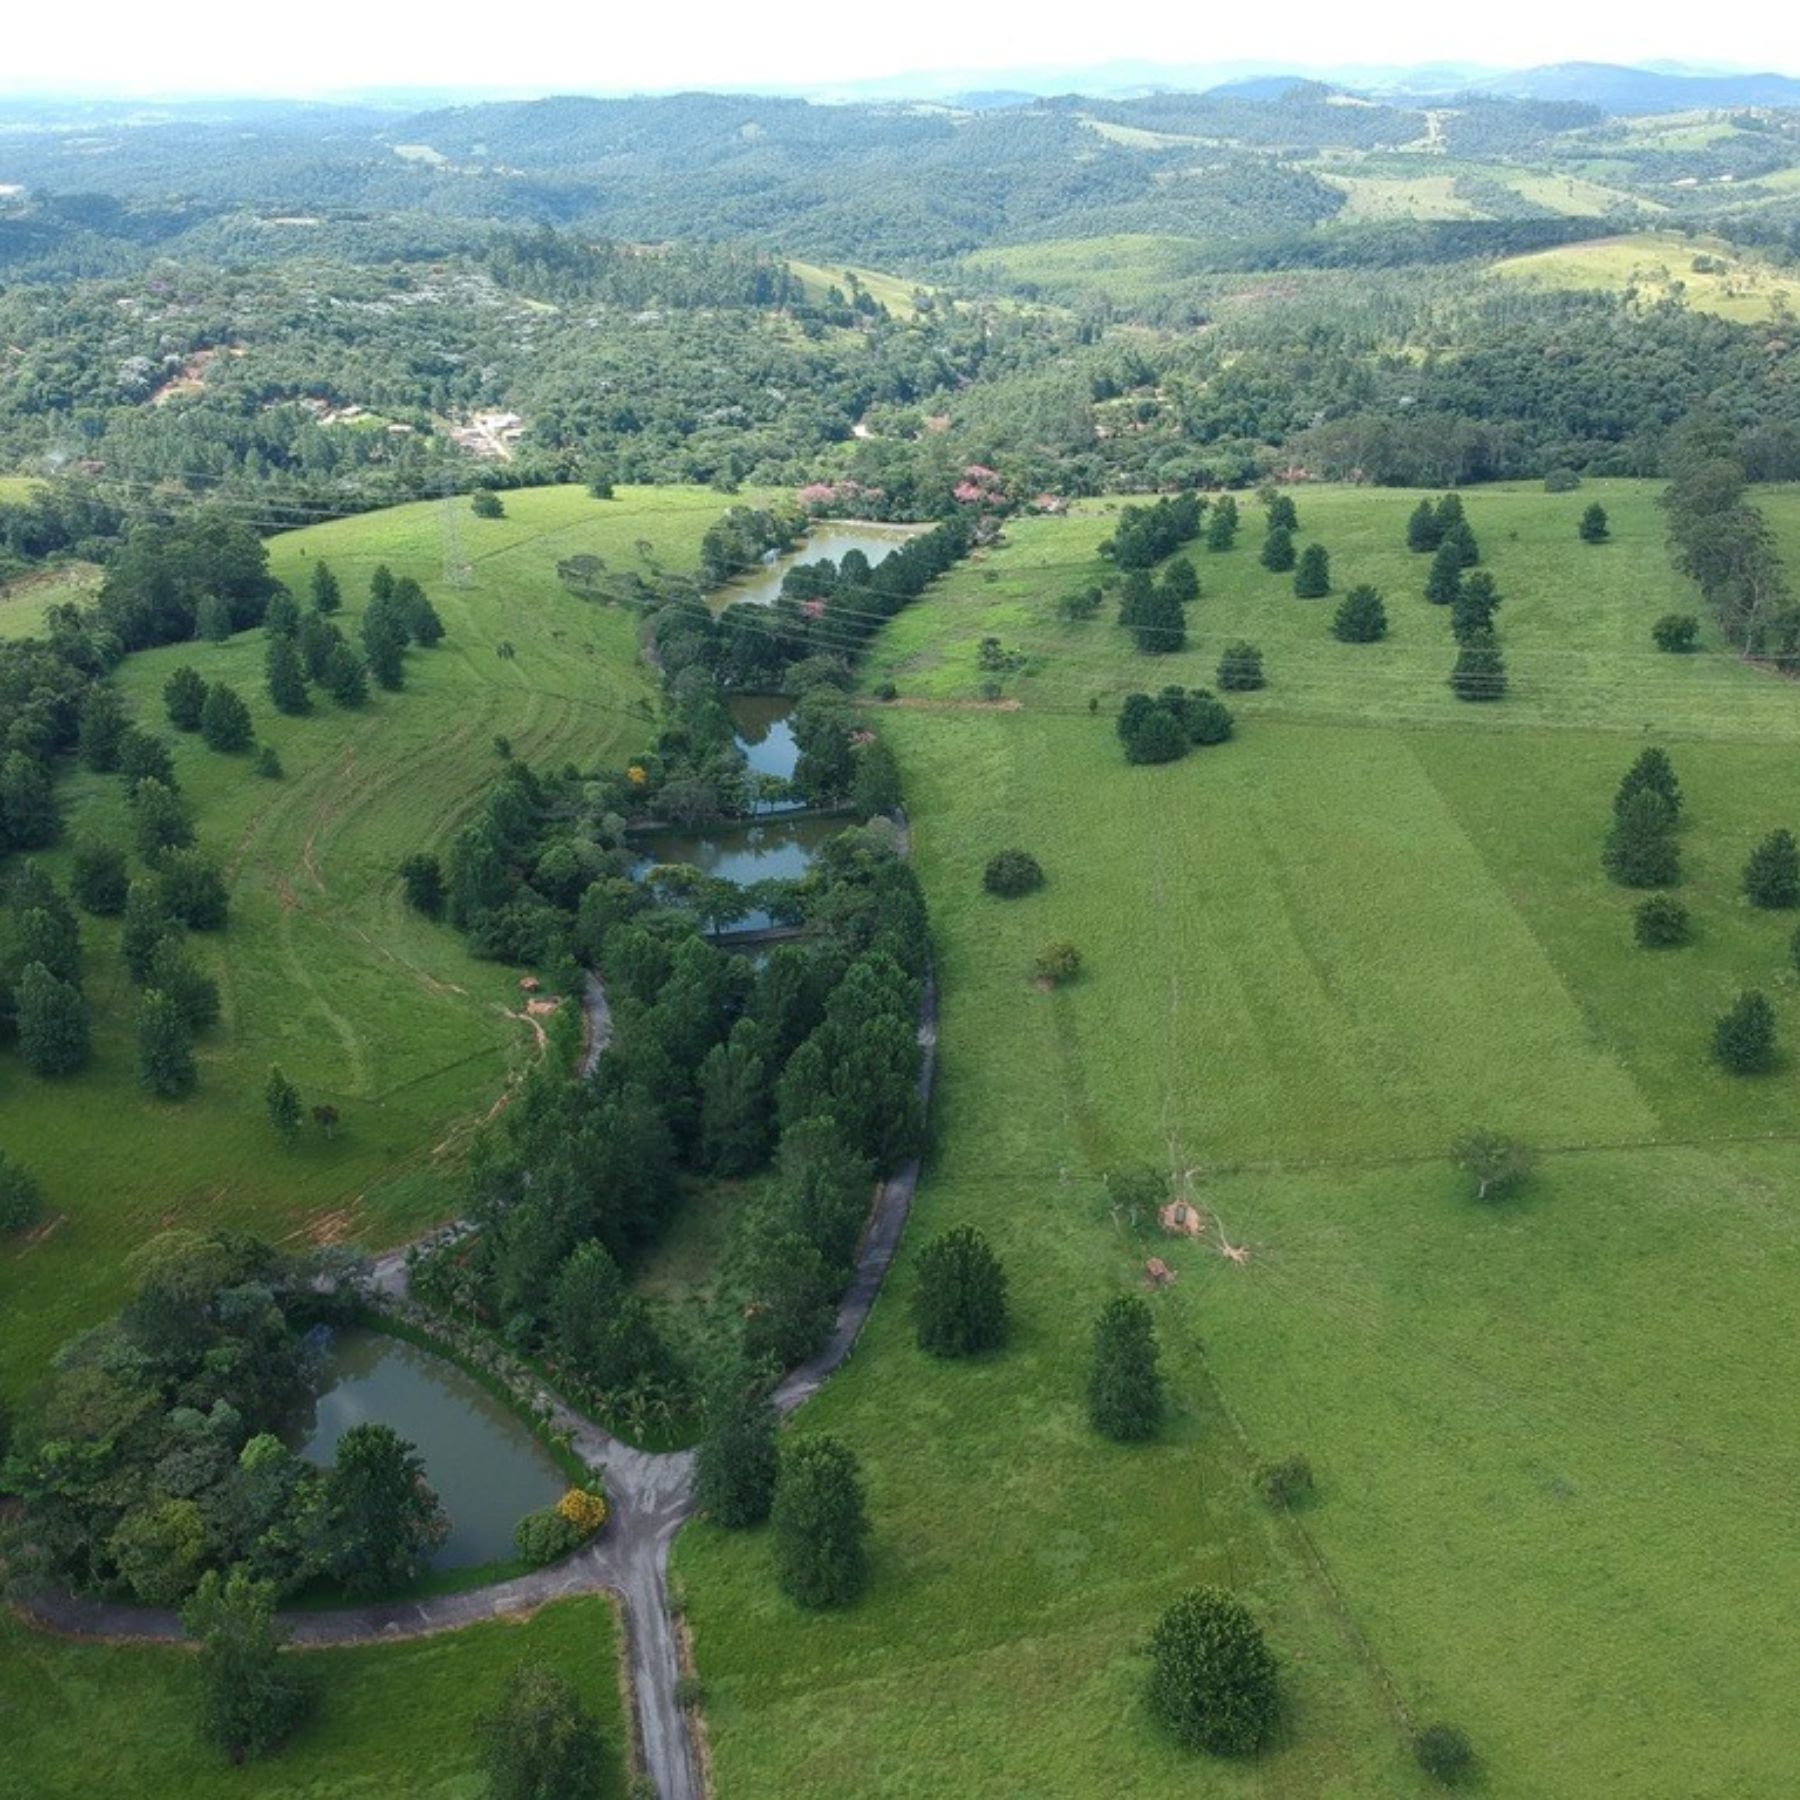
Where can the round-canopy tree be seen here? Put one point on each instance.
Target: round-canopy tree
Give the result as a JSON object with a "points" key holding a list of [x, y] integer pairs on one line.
{"points": [[1593, 528], [1213, 1679], [1241, 669], [1675, 633], [1660, 923], [1012, 872], [959, 1302], [1744, 1037]]}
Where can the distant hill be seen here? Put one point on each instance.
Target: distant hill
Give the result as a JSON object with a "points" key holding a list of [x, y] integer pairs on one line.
{"points": [[1260, 87], [1625, 90]]}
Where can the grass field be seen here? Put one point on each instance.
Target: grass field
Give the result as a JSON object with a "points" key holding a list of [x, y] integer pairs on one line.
{"points": [[392, 1720], [1554, 1436], [893, 291], [1131, 266], [26, 602], [323, 969], [1659, 265]]}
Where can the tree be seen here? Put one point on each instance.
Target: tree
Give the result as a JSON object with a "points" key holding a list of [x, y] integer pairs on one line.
{"points": [[225, 720], [327, 596], [251, 1696], [1772, 875], [343, 678], [422, 622], [1241, 669], [484, 503], [281, 1100], [174, 972], [602, 1332], [145, 758], [29, 819], [1181, 581], [1010, 873], [184, 695], [20, 1201], [1744, 1037], [600, 484], [738, 1456], [1160, 624], [1652, 771], [1479, 672], [286, 677], [1278, 550], [165, 1051], [318, 640], [1221, 526], [422, 876], [1213, 1679], [1125, 1398], [1495, 1163], [213, 620], [540, 1741], [1361, 617], [819, 1523], [1660, 923], [387, 661], [52, 1022], [1152, 734], [99, 880], [381, 584], [1641, 851], [1472, 611], [1462, 539], [267, 763], [959, 1301], [145, 924], [101, 728], [1423, 532], [1445, 580], [159, 821], [193, 890], [1282, 514], [735, 1117], [381, 1517], [1593, 528], [281, 619], [1312, 579], [1445, 1754], [1675, 633], [161, 1550]]}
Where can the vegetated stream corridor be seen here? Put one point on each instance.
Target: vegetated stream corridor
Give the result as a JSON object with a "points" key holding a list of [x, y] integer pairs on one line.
{"points": [[651, 1495]]}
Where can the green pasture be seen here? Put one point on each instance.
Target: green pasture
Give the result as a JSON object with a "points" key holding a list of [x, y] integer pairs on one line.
{"points": [[1659, 266], [323, 968], [389, 1719], [1552, 1436]]}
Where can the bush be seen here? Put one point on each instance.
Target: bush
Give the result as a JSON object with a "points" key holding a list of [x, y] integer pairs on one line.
{"points": [[423, 878], [544, 1536], [1444, 1753], [585, 1509], [1493, 1162], [486, 504], [1213, 1680], [268, 764], [100, 880], [1011, 873], [1660, 923], [1055, 964], [1241, 669], [1286, 1482], [1676, 633], [1744, 1037], [1561, 481], [1593, 528]]}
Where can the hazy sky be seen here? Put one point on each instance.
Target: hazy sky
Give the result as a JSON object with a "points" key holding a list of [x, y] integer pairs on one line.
{"points": [[193, 46]]}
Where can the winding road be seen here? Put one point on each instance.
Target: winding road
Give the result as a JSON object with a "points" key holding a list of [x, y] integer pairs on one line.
{"points": [[651, 1493]]}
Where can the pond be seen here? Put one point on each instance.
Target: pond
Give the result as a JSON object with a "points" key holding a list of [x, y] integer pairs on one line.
{"points": [[488, 1469], [764, 734], [775, 850], [834, 538]]}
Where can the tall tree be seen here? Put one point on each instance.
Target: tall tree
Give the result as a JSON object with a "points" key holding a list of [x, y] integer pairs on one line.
{"points": [[166, 1065], [1423, 532], [1445, 580], [1361, 617], [539, 1741], [820, 1524], [1125, 1397], [225, 720], [1744, 1037], [287, 677], [382, 1518], [1278, 550], [1772, 875], [281, 1100], [738, 1457], [327, 596], [1479, 672], [184, 694], [251, 1696], [1641, 851], [1653, 771], [52, 1022]]}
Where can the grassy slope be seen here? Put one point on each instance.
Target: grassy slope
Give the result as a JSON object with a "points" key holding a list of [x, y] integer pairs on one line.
{"points": [[1552, 1438], [85, 1719], [1654, 263], [323, 969]]}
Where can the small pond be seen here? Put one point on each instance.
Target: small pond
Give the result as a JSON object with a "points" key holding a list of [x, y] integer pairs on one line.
{"points": [[834, 539], [774, 849], [764, 734], [488, 1469]]}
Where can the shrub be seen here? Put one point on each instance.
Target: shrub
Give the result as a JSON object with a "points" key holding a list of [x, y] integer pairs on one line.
{"points": [[486, 504], [959, 1301], [100, 880], [1676, 633], [268, 764], [1444, 1753], [1055, 964], [1593, 528], [585, 1509], [1660, 923], [1744, 1037], [423, 878], [1493, 1162], [1561, 481], [1285, 1482], [1213, 1680], [1241, 669], [1011, 873], [543, 1536], [885, 690]]}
